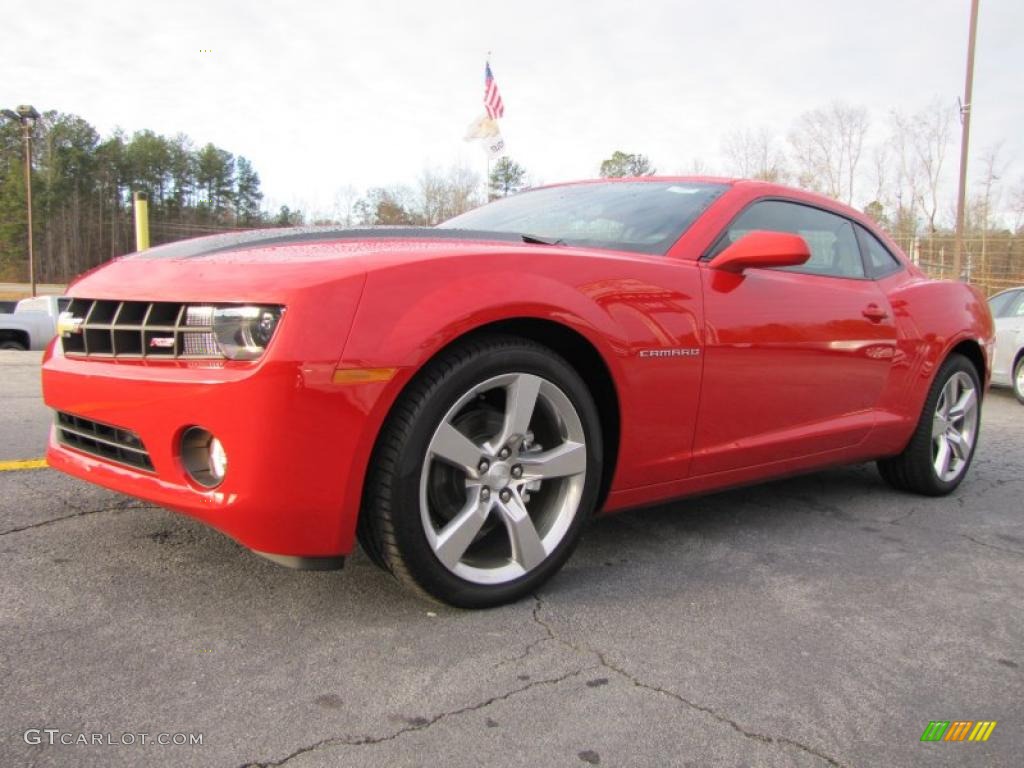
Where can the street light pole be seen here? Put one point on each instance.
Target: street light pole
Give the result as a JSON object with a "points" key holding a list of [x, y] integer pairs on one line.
{"points": [[965, 118], [27, 115]]}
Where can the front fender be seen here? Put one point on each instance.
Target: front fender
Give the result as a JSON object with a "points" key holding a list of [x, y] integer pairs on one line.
{"points": [[411, 311]]}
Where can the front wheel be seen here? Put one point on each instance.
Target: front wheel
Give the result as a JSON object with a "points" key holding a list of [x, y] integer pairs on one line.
{"points": [[484, 474], [936, 460], [13, 345]]}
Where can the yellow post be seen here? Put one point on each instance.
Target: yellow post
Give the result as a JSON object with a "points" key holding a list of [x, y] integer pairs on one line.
{"points": [[141, 221]]}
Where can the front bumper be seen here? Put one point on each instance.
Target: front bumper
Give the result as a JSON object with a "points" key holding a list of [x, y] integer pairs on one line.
{"points": [[297, 444]]}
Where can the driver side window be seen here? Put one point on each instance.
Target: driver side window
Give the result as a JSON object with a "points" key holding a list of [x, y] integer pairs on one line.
{"points": [[830, 238]]}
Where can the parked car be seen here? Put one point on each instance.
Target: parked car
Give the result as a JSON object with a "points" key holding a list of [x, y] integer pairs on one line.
{"points": [[462, 399], [1008, 361], [32, 323]]}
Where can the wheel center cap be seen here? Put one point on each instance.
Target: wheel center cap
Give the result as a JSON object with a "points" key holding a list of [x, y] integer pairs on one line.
{"points": [[498, 475]]}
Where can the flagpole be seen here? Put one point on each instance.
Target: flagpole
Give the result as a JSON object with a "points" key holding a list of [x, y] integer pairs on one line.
{"points": [[487, 159]]}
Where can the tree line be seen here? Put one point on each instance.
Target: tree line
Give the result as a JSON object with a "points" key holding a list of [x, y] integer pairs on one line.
{"points": [[82, 186], [899, 173]]}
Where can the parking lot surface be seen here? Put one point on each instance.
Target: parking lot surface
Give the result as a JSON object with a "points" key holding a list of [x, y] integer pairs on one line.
{"points": [[816, 621]]}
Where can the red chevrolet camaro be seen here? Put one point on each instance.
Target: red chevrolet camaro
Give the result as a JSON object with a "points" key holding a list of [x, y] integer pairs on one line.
{"points": [[462, 399]]}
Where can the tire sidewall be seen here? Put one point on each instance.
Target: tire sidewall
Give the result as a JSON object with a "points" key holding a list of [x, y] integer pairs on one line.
{"points": [[1015, 381], [410, 537]]}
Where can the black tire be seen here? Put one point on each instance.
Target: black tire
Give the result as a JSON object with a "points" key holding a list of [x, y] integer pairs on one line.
{"points": [[1018, 380], [391, 528], [15, 345], [913, 470]]}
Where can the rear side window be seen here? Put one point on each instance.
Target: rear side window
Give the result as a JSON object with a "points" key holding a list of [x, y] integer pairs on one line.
{"points": [[880, 261], [831, 239]]}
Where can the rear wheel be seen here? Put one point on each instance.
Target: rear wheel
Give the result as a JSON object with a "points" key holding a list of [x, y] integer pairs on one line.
{"points": [[939, 454], [1018, 379], [10, 344], [484, 474]]}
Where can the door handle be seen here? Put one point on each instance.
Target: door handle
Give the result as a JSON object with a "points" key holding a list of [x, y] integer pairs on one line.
{"points": [[874, 313]]}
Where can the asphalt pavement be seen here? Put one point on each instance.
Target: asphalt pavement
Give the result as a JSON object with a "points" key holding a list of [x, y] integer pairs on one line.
{"points": [[816, 621]]}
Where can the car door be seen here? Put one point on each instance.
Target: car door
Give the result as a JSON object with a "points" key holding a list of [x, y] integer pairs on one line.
{"points": [[1008, 313], [796, 358]]}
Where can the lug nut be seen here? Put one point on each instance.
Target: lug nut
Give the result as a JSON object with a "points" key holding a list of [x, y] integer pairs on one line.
{"points": [[485, 494], [484, 465], [517, 471], [506, 494], [505, 452]]}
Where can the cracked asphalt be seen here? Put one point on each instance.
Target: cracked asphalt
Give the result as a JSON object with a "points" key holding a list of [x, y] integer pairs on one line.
{"points": [[817, 621]]}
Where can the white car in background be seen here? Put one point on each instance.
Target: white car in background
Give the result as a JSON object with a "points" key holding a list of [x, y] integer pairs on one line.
{"points": [[1008, 363], [32, 323]]}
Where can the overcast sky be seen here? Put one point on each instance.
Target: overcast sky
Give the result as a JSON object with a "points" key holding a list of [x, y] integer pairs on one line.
{"points": [[323, 94]]}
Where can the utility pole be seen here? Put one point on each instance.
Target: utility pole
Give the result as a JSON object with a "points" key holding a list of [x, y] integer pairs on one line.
{"points": [[965, 119], [27, 116]]}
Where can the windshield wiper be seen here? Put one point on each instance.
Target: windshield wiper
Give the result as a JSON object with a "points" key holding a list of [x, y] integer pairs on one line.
{"points": [[541, 241]]}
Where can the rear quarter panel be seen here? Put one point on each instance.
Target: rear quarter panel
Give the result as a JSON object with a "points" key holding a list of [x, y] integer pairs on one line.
{"points": [[932, 317]]}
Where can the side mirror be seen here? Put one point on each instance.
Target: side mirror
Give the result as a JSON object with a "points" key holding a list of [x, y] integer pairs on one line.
{"points": [[763, 249]]}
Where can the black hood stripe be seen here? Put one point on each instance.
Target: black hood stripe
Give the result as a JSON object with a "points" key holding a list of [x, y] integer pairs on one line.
{"points": [[266, 238]]}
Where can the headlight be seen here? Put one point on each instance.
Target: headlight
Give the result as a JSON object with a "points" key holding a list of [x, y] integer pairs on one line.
{"points": [[239, 333], [234, 332], [243, 333]]}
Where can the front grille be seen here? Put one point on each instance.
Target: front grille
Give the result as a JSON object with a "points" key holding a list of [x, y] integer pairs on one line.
{"points": [[141, 329], [102, 440]]}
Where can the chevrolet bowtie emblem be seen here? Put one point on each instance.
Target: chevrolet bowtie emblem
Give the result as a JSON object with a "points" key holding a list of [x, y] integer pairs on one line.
{"points": [[68, 324]]}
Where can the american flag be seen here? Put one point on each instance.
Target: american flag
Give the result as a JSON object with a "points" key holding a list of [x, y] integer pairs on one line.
{"points": [[492, 99]]}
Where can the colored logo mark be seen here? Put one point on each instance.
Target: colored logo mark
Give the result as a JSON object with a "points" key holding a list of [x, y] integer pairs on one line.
{"points": [[958, 730]]}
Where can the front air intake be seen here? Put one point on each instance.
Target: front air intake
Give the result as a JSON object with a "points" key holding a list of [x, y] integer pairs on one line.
{"points": [[103, 441]]}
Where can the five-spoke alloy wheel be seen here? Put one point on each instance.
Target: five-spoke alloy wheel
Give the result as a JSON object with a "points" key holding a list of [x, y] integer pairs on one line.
{"points": [[953, 426], [484, 474]]}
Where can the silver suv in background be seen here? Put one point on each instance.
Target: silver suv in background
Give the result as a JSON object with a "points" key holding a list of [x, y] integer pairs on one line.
{"points": [[1008, 362], [32, 323]]}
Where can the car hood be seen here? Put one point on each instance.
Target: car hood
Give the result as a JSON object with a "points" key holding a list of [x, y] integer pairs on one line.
{"points": [[264, 264]]}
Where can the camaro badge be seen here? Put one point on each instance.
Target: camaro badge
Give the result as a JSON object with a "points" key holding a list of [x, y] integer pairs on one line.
{"points": [[672, 352], [162, 342]]}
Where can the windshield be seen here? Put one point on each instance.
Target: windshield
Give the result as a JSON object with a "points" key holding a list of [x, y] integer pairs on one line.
{"points": [[640, 216]]}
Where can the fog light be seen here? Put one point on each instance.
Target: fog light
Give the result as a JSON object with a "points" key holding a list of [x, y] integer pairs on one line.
{"points": [[204, 457], [218, 459]]}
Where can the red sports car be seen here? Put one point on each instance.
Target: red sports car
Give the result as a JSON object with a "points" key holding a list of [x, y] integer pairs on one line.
{"points": [[463, 398]]}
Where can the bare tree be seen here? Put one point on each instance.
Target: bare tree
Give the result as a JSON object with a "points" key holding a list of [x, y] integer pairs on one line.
{"points": [[930, 135], [878, 204], [754, 155], [906, 182], [697, 167], [345, 199], [447, 194], [989, 196], [827, 145], [1017, 206], [987, 200]]}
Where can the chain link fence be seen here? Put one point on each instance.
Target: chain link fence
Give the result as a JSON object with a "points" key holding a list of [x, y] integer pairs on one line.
{"points": [[992, 262]]}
